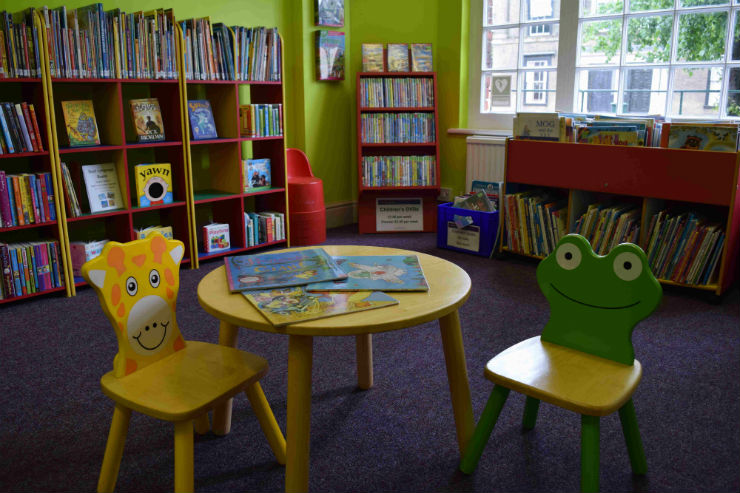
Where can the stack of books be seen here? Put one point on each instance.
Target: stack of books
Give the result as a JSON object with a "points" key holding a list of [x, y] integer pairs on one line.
{"points": [[399, 171], [19, 129], [396, 92], [607, 226], [26, 199], [397, 128], [264, 227], [535, 222], [30, 267], [19, 45]]}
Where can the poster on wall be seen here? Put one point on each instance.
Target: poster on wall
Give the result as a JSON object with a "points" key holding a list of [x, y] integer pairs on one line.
{"points": [[329, 13], [399, 214], [329, 55]]}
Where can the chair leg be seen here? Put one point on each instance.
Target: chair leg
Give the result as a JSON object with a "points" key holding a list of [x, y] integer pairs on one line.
{"points": [[184, 456], [114, 449], [483, 429], [267, 421], [589, 453], [530, 412], [632, 436], [202, 424]]}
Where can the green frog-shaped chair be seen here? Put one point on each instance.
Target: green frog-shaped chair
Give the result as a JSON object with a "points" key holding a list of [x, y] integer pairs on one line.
{"points": [[584, 360]]}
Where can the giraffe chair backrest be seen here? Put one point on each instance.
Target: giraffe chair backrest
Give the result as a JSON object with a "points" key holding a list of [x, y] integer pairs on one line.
{"points": [[596, 301], [137, 285]]}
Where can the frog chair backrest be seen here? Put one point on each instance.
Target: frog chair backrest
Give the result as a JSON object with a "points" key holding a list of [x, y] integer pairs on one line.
{"points": [[584, 360]]}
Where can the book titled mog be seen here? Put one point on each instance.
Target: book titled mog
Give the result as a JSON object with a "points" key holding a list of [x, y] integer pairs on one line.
{"points": [[101, 183]]}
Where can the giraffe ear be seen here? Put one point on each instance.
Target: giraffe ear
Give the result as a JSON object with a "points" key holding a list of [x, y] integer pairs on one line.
{"points": [[97, 277], [177, 253]]}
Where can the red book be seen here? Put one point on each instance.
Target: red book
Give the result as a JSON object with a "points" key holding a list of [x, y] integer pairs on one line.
{"points": [[36, 127], [29, 127]]}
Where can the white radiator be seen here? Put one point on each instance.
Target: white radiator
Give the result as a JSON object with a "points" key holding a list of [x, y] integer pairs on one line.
{"points": [[485, 159]]}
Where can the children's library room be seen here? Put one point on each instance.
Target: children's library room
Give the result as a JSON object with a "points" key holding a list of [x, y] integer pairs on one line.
{"points": [[370, 245]]}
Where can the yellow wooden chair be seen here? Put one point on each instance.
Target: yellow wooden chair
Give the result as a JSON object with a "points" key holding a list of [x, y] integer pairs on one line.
{"points": [[156, 372], [584, 360]]}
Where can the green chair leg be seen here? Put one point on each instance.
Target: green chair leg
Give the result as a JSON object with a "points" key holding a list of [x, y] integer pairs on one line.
{"points": [[589, 453], [632, 437], [483, 429], [530, 412]]}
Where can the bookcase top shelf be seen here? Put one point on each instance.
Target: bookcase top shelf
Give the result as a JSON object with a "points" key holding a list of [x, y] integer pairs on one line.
{"points": [[134, 81], [399, 144], [21, 79], [247, 82], [397, 74]]}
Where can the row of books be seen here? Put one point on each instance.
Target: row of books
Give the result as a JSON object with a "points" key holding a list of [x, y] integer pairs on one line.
{"points": [[19, 45], [26, 199], [256, 175], [607, 226], [259, 53], [535, 221], [30, 267], [19, 129], [261, 120], [684, 247], [376, 58], [397, 128], [399, 171], [397, 92], [264, 227]]}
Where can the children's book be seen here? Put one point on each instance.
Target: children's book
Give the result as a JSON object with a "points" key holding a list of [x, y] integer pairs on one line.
{"points": [[147, 119], [256, 174], [280, 270], [216, 237], [79, 118], [103, 190], [165, 231], [330, 55], [201, 120], [295, 304], [372, 57], [82, 251], [398, 57], [377, 273], [329, 13], [153, 184], [707, 137], [421, 57]]}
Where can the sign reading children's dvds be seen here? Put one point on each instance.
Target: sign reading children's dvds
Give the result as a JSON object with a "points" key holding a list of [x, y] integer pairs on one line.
{"points": [[399, 214]]}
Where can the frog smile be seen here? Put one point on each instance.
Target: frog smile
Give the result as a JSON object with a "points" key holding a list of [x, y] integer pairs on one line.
{"points": [[592, 306]]}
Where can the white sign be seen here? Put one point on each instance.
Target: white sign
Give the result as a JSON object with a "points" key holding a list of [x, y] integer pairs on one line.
{"points": [[399, 215], [467, 238]]}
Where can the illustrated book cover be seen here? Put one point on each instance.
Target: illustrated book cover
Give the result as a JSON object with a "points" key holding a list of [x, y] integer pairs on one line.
{"points": [[537, 126], [280, 270], [421, 57], [153, 184], [147, 119], [103, 190], [295, 304], [79, 119], [256, 174], [398, 57], [706, 137], [329, 55], [165, 231], [329, 13], [376, 273], [216, 237], [202, 125], [372, 57]]}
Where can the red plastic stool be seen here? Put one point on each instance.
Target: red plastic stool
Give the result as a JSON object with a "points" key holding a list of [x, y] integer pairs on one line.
{"points": [[306, 211]]}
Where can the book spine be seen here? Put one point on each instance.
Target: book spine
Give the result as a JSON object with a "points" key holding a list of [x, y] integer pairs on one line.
{"points": [[12, 127], [7, 271], [23, 265], [16, 271], [30, 127], [22, 128], [33, 198], [34, 122], [6, 132], [20, 217], [6, 218]]}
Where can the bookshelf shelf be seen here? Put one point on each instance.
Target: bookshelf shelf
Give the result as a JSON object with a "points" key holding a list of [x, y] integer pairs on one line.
{"points": [[144, 145], [256, 139], [400, 188], [136, 209], [15, 80], [98, 215], [103, 148], [214, 141], [264, 192], [397, 144], [27, 226], [371, 109], [32, 295], [24, 154]]}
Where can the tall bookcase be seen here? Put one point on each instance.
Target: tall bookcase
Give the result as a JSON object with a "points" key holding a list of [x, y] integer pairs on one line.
{"points": [[649, 177], [393, 111]]}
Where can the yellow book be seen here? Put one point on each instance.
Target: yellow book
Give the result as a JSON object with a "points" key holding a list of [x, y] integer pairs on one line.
{"points": [[79, 118], [26, 200], [153, 184]]}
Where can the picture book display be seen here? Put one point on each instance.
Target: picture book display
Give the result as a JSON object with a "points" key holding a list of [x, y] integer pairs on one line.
{"points": [[256, 174], [103, 190], [707, 137], [79, 119], [216, 237], [153, 184], [295, 304], [421, 57], [372, 57], [376, 273], [398, 57], [202, 125], [281, 270], [329, 13], [329, 55], [147, 119], [165, 231]]}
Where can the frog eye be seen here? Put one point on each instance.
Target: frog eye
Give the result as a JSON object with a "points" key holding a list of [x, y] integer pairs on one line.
{"points": [[568, 256], [627, 266], [131, 286], [154, 278]]}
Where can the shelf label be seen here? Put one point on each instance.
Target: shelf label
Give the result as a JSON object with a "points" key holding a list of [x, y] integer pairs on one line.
{"points": [[467, 238], [399, 214]]}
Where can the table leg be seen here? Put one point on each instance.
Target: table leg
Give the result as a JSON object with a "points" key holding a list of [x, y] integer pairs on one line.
{"points": [[300, 359], [222, 413], [457, 375], [364, 343]]}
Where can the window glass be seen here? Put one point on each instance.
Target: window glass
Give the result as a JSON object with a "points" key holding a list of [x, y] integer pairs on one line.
{"points": [[645, 91], [597, 91], [649, 39], [701, 36], [601, 42], [500, 12], [644, 5], [696, 92]]}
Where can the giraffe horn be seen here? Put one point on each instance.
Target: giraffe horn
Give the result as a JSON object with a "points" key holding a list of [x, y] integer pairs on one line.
{"points": [[97, 277]]}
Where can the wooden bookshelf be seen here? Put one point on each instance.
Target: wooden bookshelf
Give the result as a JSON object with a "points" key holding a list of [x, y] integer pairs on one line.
{"points": [[650, 177], [369, 193]]}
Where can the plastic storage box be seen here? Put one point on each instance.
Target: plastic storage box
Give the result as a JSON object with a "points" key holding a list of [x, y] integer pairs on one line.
{"points": [[478, 237]]}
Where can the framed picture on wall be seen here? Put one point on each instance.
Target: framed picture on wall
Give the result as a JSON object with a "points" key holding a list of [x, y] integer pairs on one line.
{"points": [[329, 55], [329, 13]]}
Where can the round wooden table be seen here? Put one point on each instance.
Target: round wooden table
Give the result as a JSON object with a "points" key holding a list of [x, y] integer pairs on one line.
{"points": [[449, 287]]}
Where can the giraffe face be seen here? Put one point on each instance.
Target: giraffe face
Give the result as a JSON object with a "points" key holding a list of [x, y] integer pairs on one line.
{"points": [[147, 324]]}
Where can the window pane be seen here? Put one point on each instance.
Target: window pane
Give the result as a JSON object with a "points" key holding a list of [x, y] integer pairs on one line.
{"points": [[541, 9], [645, 91], [597, 91], [600, 7], [601, 42], [733, 93], [736, 39], [697, 3], [498, 12], [538, 90], [649, 39], [643, 5], [498, 92], [696, 92], [701, 37], [500, 49], [540, 39]]}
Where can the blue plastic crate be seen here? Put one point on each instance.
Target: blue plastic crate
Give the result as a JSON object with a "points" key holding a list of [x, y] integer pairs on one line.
{"points": [[477, 238]]}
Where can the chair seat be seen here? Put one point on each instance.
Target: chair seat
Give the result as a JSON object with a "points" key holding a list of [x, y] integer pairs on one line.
{"points": [[565, 377], [187, 383]]}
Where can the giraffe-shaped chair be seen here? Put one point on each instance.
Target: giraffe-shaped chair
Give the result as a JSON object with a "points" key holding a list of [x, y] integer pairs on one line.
{"points": [[156, 372]]}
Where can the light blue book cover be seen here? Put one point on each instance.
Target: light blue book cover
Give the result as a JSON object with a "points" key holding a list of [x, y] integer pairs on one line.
{"points": [[376, 273], [201, 120]]}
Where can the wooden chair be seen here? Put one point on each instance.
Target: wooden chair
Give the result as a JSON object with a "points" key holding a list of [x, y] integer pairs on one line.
{"points": [[156, 372], [584, 360]]}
